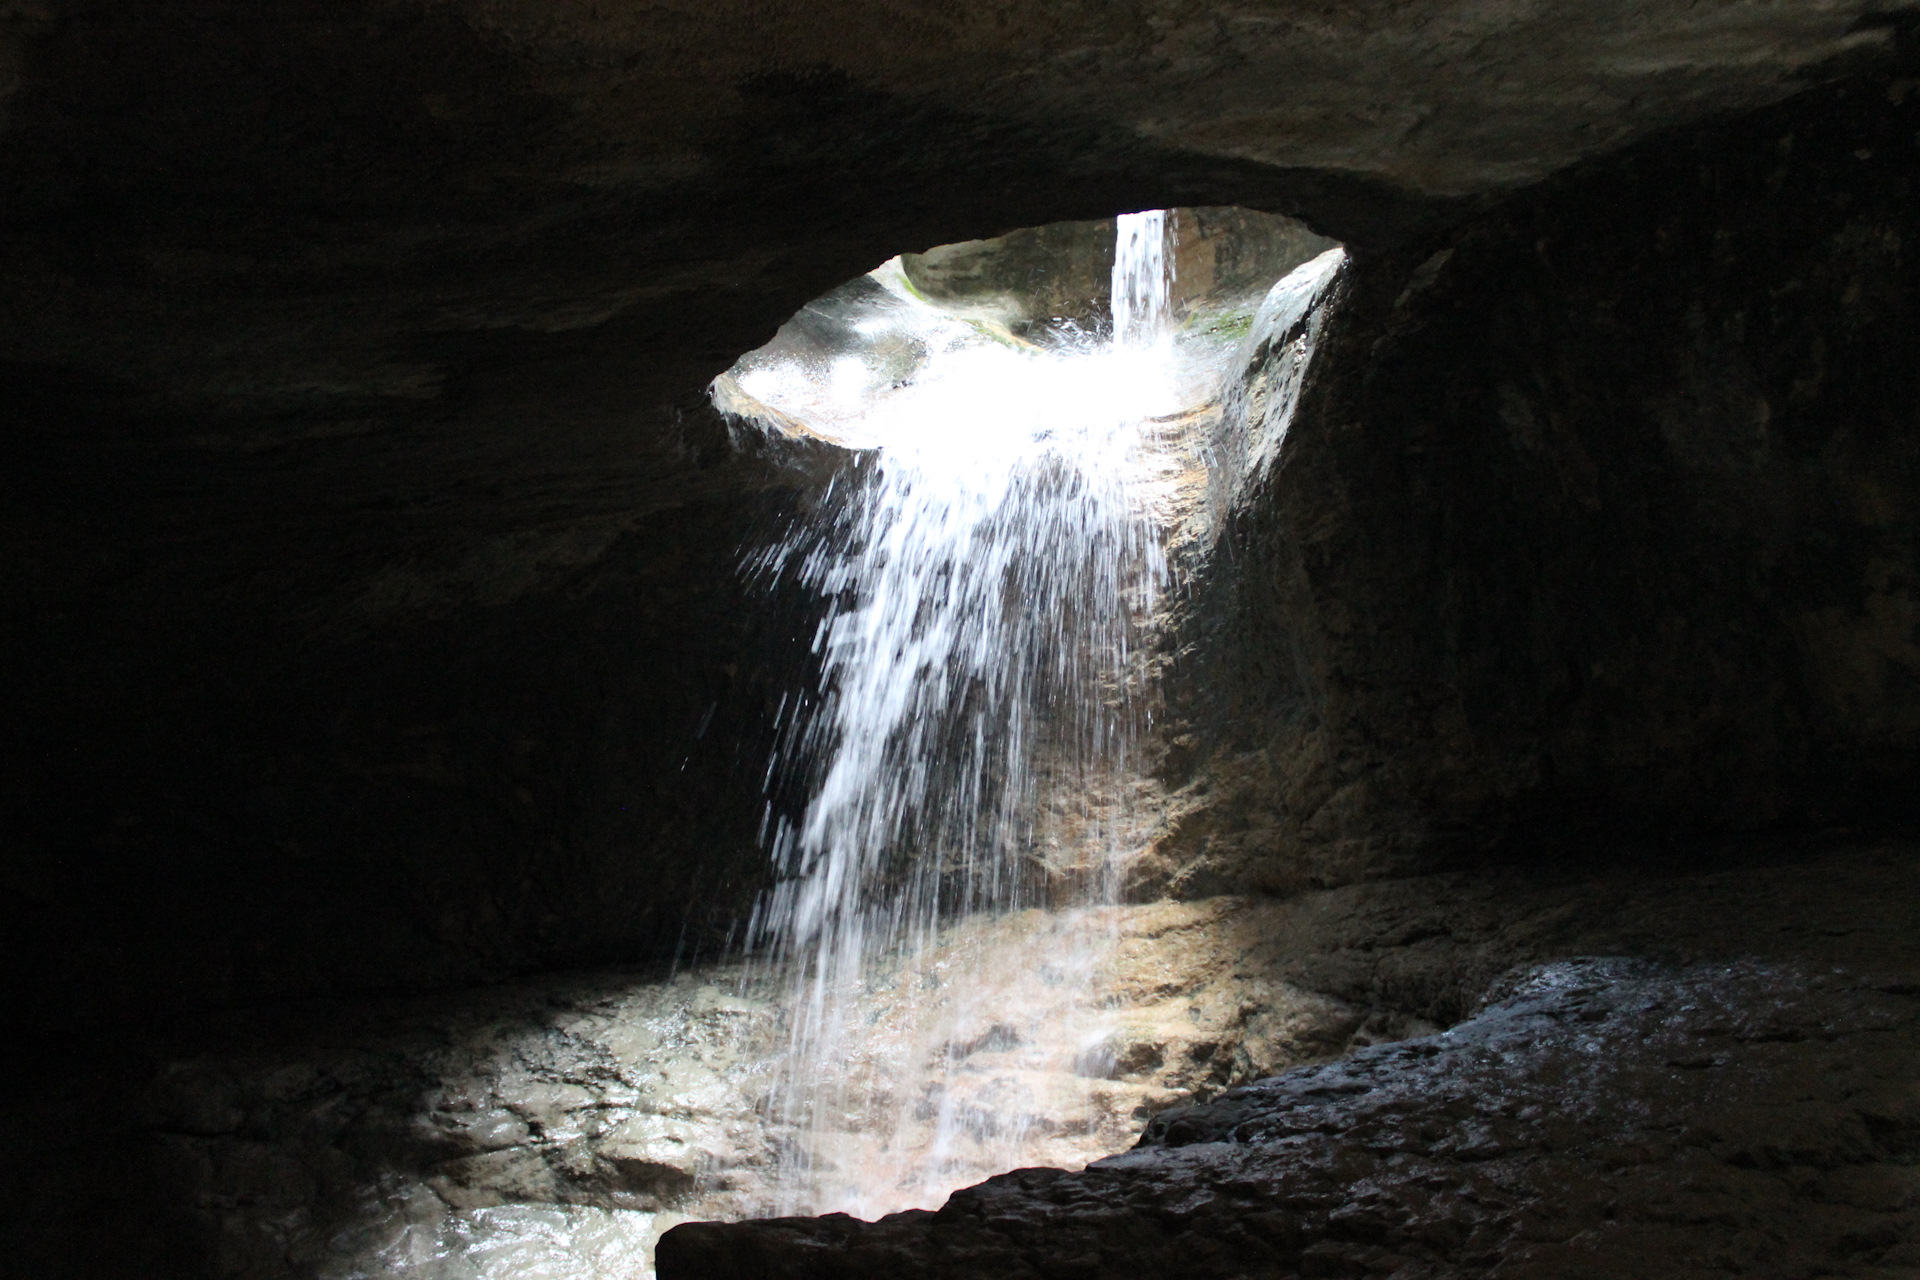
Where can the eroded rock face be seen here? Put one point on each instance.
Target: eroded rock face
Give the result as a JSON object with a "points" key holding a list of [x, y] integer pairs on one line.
{"points": [[1607, 1120], [1739, 1066], [1601, 519]]}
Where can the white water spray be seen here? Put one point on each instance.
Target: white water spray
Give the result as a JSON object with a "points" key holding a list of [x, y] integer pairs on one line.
{"points": [[988, 572]]}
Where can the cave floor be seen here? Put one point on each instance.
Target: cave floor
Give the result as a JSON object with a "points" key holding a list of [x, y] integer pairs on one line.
{"points": [[1705, 1075], [1644, 1073]]}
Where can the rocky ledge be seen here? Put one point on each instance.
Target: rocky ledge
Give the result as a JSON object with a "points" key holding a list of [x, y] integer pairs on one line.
{"points": [[1597, 1117]]}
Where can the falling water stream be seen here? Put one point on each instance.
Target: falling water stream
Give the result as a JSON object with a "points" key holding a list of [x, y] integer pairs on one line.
{"points": [[988, 575]]}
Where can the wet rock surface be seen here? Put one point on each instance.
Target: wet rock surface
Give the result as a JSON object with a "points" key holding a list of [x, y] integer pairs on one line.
{"points": [[553, 1128], [1646, 1071], [1594, 1117]]}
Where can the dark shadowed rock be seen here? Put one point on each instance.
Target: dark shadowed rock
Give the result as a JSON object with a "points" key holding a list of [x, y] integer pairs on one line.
{"points": [[1599, 520]]}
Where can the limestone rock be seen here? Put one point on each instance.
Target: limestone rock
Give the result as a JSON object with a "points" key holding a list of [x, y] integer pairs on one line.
{"points": [[658, 1155]]}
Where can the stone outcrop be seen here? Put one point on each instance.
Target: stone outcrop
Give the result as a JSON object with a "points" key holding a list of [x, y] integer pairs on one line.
{"points": [[1723, 1053], [566, 1122]]}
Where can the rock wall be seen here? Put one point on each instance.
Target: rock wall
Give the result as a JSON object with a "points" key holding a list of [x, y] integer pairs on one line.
{"points": [[1739, 1037], [545, 748], [1599, 520], [553, 1127], [1604, 1119]]}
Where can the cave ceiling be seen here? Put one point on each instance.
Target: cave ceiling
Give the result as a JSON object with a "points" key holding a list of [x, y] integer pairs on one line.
{"points": [[312, 219]]}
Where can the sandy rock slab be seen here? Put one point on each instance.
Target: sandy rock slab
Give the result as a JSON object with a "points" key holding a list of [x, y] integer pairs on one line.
{"points": [[1600, 1118]]}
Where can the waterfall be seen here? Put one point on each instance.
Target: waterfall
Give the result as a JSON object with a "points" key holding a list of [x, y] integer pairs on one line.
{"points": [[987, 570], [986, 574], [1142, 280]]}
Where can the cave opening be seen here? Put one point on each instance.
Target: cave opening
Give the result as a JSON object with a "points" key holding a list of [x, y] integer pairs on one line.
{"points": [[1029, 425]]}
